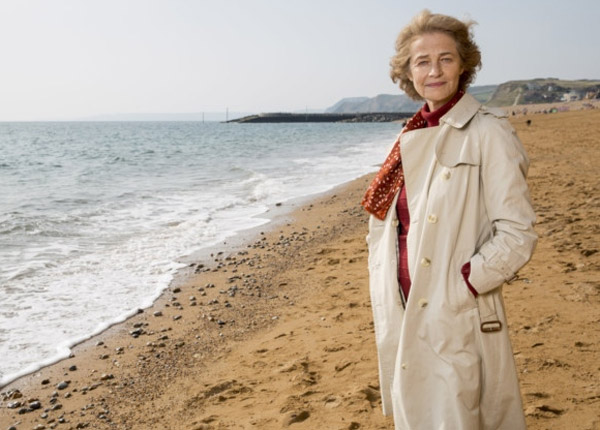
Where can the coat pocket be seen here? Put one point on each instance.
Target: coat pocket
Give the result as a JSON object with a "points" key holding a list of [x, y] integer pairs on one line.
{"points": [[460, 297]]}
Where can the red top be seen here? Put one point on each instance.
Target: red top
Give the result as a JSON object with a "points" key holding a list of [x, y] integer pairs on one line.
{"points": [[433, 120]]}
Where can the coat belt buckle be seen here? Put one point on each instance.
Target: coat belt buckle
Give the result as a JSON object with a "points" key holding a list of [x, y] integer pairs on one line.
{"points": [[491, 326]]}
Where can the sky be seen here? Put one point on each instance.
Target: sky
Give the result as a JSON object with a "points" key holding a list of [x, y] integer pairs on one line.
{"points": [[73, 59]]}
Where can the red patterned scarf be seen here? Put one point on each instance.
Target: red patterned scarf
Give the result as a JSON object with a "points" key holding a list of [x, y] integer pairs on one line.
{"points": [[390, 179]]}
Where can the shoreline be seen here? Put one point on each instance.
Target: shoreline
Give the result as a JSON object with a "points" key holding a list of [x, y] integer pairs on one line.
{"points": [[270, 219], [208, 262], [283, 336]]}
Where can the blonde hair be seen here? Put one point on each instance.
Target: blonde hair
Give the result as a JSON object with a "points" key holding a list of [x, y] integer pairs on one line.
{"points": [[427, 22]]}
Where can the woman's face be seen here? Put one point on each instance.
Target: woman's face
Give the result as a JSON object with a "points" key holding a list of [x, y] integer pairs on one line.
{"points": [[435, 68]]}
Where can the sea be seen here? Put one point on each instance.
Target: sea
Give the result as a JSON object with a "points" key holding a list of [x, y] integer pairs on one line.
{"points": [[97, 218]]}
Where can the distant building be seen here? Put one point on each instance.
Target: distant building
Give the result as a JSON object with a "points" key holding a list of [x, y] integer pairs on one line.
{"points": [[571, 96]]}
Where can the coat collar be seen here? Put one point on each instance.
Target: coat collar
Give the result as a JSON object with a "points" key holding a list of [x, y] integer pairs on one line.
{"points": [[462, 112]]}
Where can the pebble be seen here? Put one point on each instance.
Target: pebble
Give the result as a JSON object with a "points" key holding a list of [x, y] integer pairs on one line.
{"points": [[35, 405], [73, 368], [137, 332], [158, 314], [14, 405], [62, 385], [11, 395]]}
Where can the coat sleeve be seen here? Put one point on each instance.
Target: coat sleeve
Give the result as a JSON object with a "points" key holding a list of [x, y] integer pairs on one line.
{"points": [[504, 166]]}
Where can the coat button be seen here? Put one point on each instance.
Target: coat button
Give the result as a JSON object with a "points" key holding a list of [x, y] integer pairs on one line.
{"points": [[425, 262], [395, 223], [446, 174], [432, 219], [404, 366], [422, 303]]}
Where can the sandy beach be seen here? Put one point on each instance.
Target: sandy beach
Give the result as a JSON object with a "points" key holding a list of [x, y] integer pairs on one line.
{"points": [[277, 332]]}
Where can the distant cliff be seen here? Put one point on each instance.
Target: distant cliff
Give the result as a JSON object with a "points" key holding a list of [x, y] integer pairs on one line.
{"points": [[507, 94], [548, 90], [397, 103]]}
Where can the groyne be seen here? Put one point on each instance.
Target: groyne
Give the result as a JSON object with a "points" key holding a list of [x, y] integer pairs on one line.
{"points": [[324, 117]]}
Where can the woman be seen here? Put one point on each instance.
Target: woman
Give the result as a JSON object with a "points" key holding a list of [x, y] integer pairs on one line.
{"points": [[451, 221]]}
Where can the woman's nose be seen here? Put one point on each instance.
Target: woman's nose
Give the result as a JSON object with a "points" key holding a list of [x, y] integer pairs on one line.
{"points": [[436, 69]]}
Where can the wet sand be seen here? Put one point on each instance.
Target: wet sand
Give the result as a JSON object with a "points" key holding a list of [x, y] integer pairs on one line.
{"points": [[278, 332]]}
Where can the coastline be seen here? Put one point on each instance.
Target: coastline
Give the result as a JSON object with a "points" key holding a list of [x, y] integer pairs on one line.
{"points": [[213, 270], [285, 338]]}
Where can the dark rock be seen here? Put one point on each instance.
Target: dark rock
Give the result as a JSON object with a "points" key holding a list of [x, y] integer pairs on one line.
{"points": [[14, 405], [12, 395], [62, 385], [137, 332], [45, 381], [73, 368], [35, 405]]}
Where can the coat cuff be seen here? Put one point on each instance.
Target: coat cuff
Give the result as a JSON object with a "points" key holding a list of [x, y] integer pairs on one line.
{"points": [[466, 271]]}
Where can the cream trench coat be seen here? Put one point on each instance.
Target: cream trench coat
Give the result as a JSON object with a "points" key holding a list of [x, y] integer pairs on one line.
{"points": [[468, 201]]}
